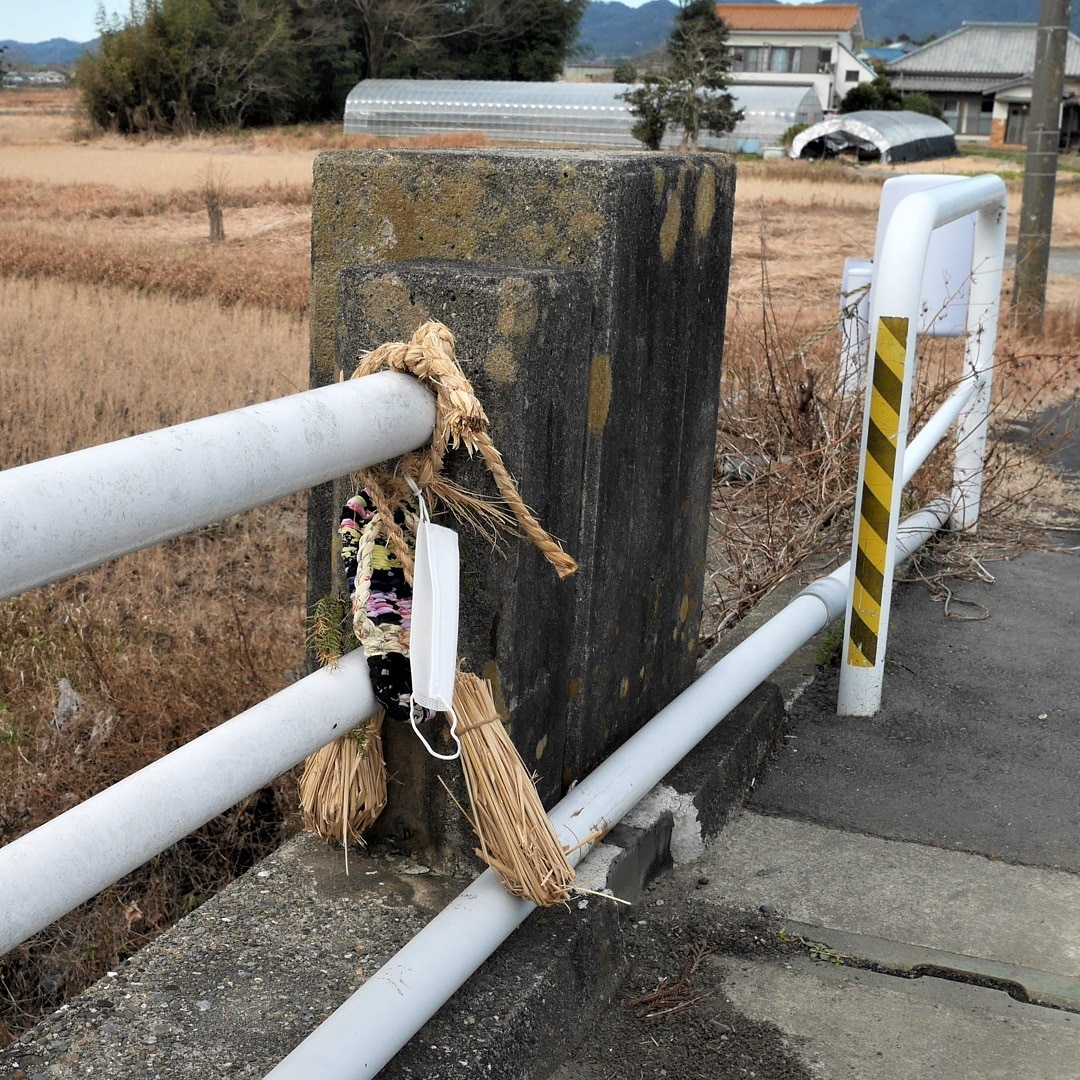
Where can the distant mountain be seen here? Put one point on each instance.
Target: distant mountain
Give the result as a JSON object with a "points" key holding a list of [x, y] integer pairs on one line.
{"points": [[920, 19], [55, 53], [612, 31]]}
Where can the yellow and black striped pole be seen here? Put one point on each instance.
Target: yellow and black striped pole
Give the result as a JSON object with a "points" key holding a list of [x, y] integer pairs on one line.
{"points": [[876, 513]]}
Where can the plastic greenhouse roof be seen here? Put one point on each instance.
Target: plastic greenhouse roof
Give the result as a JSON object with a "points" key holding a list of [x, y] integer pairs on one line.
{"points": [[896, 136], [559, 112]]}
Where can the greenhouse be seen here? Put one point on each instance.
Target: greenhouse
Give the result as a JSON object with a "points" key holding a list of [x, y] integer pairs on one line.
{"points": [[568, 113], [768, 111], [872, 134]]}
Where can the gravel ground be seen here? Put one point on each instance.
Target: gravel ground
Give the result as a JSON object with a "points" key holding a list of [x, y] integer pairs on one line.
{"points": [[672, 1016]]}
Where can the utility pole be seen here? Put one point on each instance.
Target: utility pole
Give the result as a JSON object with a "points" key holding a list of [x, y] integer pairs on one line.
{"points": [[1040, 169]]}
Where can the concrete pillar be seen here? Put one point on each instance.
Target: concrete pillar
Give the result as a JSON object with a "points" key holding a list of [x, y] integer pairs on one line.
{"points": [[587, 293]]}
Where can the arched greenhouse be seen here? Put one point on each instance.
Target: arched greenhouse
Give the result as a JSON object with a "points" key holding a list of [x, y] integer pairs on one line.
{"points": [[590, 114], [874, 134]]}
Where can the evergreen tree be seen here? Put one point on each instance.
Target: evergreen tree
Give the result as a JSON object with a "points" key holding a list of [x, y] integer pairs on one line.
{"points": [[692, 94], [649, 103], [879, 94], [174, 66]]}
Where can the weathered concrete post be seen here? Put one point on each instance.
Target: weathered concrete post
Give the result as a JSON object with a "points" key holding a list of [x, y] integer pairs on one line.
{"points": [[587, 294]]}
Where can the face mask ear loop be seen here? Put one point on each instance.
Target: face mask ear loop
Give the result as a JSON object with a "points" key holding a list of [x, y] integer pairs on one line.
{"points": [[424, 515], [416, 711]]}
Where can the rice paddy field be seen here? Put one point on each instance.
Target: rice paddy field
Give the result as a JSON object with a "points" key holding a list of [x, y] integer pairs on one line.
{"points": [[119, 316]]}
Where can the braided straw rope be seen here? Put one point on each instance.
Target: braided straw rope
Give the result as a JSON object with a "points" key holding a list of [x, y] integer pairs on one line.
{"points": [[460, 421]]}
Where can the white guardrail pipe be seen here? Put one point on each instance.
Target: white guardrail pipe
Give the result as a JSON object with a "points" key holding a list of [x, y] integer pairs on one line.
{"points": [[894, 318], [130, 494], [53, 869], [368, 1029]]}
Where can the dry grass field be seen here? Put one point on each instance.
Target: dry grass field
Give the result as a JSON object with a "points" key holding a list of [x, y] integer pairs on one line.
{"points": [[118, 315]]}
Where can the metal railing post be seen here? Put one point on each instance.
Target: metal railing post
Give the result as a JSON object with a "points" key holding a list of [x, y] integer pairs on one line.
{"points": [[893, 332], [984, 304]]}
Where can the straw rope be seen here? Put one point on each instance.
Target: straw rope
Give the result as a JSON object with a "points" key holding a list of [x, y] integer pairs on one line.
{"points": [[460, 422]]}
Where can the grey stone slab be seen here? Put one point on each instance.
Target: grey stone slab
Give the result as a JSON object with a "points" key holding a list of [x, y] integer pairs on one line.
{"points": [[233, 988], [859, 1025], [909, 893]]}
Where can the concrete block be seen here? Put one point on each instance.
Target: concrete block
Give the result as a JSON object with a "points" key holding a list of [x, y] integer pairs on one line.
{"points": [[649, 236]]}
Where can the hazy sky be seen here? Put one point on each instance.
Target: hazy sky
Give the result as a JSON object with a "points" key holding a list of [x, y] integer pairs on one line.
{"points": [[31, 21], [38, 20]]}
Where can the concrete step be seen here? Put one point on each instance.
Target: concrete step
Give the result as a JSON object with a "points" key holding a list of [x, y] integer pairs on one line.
{"points": [[901, 892], [915, 961], [861, 1025]]}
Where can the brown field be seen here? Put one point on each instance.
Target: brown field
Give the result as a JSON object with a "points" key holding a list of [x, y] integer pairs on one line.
{"points": [[119, 316]]}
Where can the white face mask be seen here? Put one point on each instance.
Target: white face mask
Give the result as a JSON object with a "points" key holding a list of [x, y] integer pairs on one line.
{"points": [[434, 635]]}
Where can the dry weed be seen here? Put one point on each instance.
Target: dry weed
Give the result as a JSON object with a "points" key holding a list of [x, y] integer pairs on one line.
{"points": [[104, 673], [788, 446], [232, 273], [102, 364]]}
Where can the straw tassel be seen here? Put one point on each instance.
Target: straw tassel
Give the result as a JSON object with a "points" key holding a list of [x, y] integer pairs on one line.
{"points": [[517, 839], [343, 786]]}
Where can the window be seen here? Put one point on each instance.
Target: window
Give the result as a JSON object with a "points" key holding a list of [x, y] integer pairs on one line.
{"points": [[783, 59], [950, 109], [851, 76], [824, 61], [986, 116], [749, 58]]}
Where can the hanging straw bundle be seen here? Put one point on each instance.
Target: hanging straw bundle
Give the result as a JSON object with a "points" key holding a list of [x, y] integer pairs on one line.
{"points": [[516, 836], [343, 789]]}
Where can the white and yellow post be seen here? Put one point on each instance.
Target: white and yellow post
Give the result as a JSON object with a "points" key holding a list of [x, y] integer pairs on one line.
{"points": [[894, 317]]}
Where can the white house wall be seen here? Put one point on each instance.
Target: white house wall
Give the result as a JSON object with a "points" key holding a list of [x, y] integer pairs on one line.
{"points": [[830, 86]]}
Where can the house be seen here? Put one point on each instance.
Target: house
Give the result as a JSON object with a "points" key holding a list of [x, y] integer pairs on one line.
{"points": [[46, 78], [981, 77], [810, 44]]}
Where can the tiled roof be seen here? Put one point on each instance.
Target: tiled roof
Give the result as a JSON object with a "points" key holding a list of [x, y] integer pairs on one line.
{"points": [[1000, 49], [803, 17]]}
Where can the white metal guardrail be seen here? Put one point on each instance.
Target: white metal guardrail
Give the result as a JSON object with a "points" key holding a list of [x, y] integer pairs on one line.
{"points": [[131, 494], [894, 319], [138, 491]]}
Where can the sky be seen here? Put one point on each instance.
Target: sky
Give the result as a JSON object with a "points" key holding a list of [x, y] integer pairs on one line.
{"points": [[31, 21]]}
